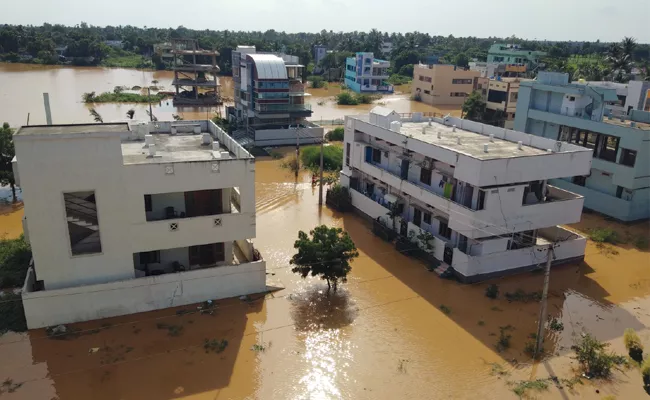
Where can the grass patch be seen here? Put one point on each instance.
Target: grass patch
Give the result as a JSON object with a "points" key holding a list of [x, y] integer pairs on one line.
{"points": [[215, 345], [112, 97], [556, 325], [445, 309], [172, 330], [12, 315], [15, 255], [498, 370], [504, 338], [633, 344], [522, 387], [348, 99], [126, 59], [642, 242], [604, 235], [260, 347], [523, 296], [492, 291]]}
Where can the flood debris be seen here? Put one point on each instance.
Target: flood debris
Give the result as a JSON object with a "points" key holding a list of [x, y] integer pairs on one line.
{"points": [[8, 386], [401, 365], [93, 350], [172, 330]]}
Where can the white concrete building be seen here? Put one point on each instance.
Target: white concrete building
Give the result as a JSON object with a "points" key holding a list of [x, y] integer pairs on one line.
{"points": [[121, 220], [480, 190]]}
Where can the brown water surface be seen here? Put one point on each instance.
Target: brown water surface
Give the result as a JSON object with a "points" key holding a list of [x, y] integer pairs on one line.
{"points": [[381, 336], [23, 86]]}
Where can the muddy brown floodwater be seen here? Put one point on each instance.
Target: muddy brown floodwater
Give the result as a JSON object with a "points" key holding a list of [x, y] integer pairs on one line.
{"points": [[23, 86], [381, 336]]}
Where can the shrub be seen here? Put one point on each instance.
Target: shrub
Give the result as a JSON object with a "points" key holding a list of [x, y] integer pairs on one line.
{"points": [[336, 134], [504, 338], [339, 194], [363, 98], [645, 371], [633, 344], [445, 309], [316, 81], [332, 157], [12, 315], [15, 255], [522, 387], [592, 356], [492, 291], [604, 235], [556, 325], [397, 79], [346, 99]]}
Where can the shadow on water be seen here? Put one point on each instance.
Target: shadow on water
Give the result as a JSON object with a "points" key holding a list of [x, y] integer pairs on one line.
{"points": [[575, 298], [162, 356]]}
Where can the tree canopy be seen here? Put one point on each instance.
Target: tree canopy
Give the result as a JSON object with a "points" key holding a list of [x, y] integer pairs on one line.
{"points": [[326, 253], [7, 153]]}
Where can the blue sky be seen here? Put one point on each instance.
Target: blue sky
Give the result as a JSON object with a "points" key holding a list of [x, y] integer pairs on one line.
{"points": [[578, 20]]}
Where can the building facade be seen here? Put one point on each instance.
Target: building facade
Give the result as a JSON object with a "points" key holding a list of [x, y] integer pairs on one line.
{"points": [[123, 220], [269, 95], [366, 74], [481, 191], [514, 54], [618, 184], [439, 84], [320, 52], [500, 96]]}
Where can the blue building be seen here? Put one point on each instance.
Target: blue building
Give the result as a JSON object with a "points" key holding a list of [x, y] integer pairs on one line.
{"points": [[366, 74], [619, 182]]}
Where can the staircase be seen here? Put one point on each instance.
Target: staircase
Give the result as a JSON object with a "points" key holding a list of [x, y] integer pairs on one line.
{"points": [[82, 213]]}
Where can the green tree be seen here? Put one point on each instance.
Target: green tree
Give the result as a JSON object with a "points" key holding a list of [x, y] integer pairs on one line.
{"points": [[473, 107], [326, 253], [461, 60], [7, 153], [95, 115]]}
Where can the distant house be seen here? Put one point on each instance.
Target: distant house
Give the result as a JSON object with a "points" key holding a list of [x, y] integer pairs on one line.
{"points": [[366, 74], [513, 54], [116, 44]]}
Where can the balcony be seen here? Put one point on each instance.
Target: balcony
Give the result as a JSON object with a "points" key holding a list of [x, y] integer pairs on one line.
{"points": [[560, 207], [283, 108]]}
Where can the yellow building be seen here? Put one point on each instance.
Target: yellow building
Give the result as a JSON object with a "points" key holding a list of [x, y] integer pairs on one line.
{"points": [[442, 84], [500, 94]]}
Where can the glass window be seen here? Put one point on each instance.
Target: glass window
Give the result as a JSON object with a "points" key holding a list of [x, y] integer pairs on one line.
{"points": [[376, 155], [444, 230], [628, 157], [347, 154], [427, 218], [425, 176]]}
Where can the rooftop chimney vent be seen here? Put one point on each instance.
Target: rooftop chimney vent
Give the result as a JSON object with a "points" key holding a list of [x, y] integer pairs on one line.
{"points": [[491, 137], [453, 128], [520, 145], [486, 147], [152, 150]]}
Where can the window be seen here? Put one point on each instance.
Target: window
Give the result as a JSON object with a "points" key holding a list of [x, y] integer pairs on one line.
{"points": [[207, 254], [481, 200], [425, 176], [427, 92], [83, 223], [150, 257], [347, 154], [425, 78], [147, 203], [619, 191], [461, 81], [607, 147], [444, 230], [628, 157], [579, 180], [572, 98], [427, 218], [417, 217], [376, 155]]}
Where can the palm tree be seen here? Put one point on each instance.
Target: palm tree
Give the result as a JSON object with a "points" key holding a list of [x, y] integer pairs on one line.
{"points": [[619, 58], [95, 115], [628, 44], [130, 113]]}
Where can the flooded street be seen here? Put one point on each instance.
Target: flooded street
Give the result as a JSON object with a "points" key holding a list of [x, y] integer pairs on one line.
{"points": [[23, 86], [383, 335]]}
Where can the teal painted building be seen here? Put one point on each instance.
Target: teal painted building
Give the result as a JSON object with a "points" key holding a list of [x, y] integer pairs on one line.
{"points": [[366, 74], [619, 182], [513, 54]]}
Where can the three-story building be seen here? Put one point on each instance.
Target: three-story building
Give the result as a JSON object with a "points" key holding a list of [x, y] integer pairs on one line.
{"points": [[366, 74], [481, 191], [128, 219], [618, 183]]}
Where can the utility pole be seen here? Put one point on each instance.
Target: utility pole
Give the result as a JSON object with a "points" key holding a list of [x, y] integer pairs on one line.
{"points": [[297, 151], [320, 187], [149, 98], [48, 113], [542, 311]]}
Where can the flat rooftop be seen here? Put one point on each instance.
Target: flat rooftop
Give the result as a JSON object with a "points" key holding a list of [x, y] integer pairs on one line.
{"points": [[471, 143], [72, 129], [172, 148], [644, 126]]}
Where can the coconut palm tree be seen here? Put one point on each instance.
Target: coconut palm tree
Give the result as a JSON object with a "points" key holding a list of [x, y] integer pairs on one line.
{"points": [[95, 115]]}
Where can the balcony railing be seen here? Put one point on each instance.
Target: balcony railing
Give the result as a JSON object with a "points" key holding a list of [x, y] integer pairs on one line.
{"points": [[280, 108]]}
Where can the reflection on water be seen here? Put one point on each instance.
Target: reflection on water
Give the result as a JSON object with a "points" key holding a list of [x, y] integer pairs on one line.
{"points": [[381, 336]]}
